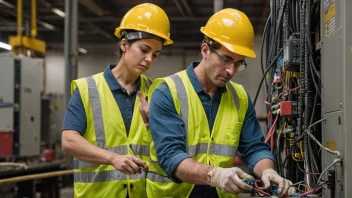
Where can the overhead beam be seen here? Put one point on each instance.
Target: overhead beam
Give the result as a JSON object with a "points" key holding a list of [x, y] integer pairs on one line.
{"points": [[177, 19], [188, 8], [14, 29], [7, 4], [100, 31], [7, 22], [179, 7], [93, 7]]}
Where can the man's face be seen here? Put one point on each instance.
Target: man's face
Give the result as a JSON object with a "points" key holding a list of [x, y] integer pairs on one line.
{"points": [[221, 65]]}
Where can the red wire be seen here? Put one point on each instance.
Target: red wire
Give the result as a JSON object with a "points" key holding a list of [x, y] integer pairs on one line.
{"points": [[272, 130], [262, 192], [310, 191]]}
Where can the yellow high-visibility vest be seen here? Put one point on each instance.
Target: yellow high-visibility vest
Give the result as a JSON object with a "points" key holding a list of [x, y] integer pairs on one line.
{"points": [[106, 129], [217, 148]]}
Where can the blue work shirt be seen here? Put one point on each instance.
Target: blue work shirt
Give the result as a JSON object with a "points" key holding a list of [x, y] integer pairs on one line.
{"points": [[168, 133], [76, 119]]}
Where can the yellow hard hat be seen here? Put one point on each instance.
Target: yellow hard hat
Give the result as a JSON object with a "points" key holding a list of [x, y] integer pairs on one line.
{"points": [[232, 29], [147, 18]]}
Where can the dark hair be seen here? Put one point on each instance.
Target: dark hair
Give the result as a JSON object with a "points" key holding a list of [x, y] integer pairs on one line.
{"points": [[130, 42], [213, 44], [123, 36]]}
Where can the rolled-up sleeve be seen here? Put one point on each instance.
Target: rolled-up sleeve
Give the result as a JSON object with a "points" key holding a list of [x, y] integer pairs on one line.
{"points": [[252, 146], [167, 130]]}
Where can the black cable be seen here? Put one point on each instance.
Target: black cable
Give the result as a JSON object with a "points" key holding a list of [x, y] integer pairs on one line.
{"points": [[316, 85], [261, 53], [267, 70]]}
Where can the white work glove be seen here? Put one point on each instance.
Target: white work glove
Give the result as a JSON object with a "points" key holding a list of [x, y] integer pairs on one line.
{"points": [[270, 176], [229, 179]]}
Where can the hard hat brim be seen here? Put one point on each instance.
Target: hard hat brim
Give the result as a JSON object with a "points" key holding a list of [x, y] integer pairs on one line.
{"points": [[167, 41]]}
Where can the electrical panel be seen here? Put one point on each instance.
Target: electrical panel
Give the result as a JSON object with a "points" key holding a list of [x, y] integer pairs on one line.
{"points": [[20, 91], [292, 54], [336, 31], [308, 100]]}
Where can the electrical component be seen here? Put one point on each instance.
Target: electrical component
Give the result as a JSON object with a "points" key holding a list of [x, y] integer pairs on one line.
{"points": [[292, 55], [288, 108]]}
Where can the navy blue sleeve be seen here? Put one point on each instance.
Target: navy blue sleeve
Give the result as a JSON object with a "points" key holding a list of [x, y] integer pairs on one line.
{"points": [[167, 130], [252, 145], [75, 118]]}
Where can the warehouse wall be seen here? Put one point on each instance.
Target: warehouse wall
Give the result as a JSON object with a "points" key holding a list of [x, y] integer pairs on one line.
{"points": [[97, 59]]}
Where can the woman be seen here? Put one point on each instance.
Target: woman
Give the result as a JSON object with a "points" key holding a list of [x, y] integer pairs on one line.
{"points": [[103, 128]]}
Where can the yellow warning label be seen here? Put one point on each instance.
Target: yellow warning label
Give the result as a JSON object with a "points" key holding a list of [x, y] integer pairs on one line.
{"points": [[331, 145], [330, 13]]}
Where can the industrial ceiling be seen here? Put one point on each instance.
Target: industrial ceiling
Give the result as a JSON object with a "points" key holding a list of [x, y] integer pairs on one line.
{"points": [[99, 18]]}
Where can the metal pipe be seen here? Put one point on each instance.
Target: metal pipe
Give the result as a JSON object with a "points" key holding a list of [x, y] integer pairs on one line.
{"points": [[218, 5], [2, 164], [71, 46], [34, 19], [35, 176], [19, 17]]}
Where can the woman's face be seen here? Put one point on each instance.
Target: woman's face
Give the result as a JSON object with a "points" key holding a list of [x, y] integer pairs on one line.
{"points": [[140, 55]]}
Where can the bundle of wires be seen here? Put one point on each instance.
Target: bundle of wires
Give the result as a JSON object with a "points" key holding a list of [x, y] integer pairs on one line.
{"points": [[297, 156]]}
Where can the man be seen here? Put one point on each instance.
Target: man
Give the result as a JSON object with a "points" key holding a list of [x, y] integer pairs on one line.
{"points": [[199, 118]]}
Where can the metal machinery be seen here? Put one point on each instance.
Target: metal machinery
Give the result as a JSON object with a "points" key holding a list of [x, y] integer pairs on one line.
{"points": [[20, 88], [307, 50], [336, 31], [27, 160]]}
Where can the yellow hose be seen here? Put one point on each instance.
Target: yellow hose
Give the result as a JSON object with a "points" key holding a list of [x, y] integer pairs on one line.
{"points": [[35, 176]]}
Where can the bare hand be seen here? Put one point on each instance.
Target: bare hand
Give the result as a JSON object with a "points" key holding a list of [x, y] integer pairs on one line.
{"points": [[129, 164], [144, 108]]}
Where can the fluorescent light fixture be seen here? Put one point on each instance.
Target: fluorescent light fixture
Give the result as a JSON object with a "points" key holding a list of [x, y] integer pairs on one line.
{"points": [[59, 12], [5, 46], [82, 50], [47, 25], [7, 4]]}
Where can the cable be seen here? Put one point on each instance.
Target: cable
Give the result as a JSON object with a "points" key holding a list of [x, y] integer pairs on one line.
{"points": [[261, 54], [327, 149], [315, 123], [267, 70], [324, 171]]}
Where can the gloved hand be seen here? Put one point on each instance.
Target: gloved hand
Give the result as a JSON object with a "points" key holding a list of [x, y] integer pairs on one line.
{"points": [[229, 179], [270, 176]]}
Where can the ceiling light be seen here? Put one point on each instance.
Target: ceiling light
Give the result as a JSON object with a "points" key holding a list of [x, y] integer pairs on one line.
{"points": [[7, 4], [5, 46], [58, 12], [82, 50], [47, 25]]}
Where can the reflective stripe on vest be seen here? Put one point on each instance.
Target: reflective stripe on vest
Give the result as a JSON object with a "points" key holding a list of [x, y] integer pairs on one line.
{"points": [[110, 175], [103, 176], [182, 97], [97, 112], [215, 149]]}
